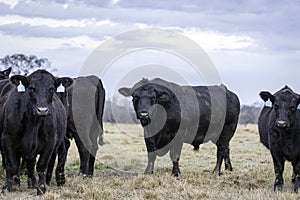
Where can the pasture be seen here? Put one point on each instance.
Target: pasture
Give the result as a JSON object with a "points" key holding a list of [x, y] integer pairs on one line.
{"points": [[121, 161]]}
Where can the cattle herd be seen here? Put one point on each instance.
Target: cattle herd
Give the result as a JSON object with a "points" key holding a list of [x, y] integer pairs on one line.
{"points": [[38, 119]]}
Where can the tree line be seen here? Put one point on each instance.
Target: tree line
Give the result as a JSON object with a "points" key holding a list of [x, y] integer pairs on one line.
{"points": [[118, 113]]}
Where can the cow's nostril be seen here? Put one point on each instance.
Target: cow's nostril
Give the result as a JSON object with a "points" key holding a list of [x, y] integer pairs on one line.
{"points": [[42, 110], [281, 124], [143, 115]]}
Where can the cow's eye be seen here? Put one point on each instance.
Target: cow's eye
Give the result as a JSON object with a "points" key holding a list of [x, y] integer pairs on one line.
{"points": [[135, 98], [31, 89], [51, 90], [292, 108], [276, 107], [163, 96], [152, 99]]}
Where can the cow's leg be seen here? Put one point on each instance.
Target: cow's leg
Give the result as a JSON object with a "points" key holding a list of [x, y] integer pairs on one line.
{"points": [[3, 159], [31, 180], [175, 152], [51, 166], [92, 160], [220, 156], [151, 149], [93, 137], [228, 165], [11, 162], [296, 175], [84, 158], [23, 168], [91, 165], [223, 152], [151, 161], [83, 154], [60, 169], [42, 165], [62, 159], [278, 162], [17, 180]]}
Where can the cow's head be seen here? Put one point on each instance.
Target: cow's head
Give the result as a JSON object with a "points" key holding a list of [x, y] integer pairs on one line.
{"points": [[145, 97], [284, 106], [5, 73], [40, 86]]}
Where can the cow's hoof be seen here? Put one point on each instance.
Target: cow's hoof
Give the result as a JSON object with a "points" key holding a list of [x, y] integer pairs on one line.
{"points": [[17, 181], [6, 188], [60, 182], [83, 175], [148, 172], [176, 175], [277, 187], [41, 190], [60, 179], [31, 183], [196, 148], [296, 186], [217, 171], [228, 167]]}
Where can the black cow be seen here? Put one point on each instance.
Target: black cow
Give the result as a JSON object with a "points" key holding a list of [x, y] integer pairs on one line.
{"points": [[32, 123], [171, 115], [5, 73], [85, 105], [279, 128]]}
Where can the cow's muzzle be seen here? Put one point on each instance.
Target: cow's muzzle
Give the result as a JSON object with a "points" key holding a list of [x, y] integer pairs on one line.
{"points": [[144, 117], [42, 111], [281, 124]]}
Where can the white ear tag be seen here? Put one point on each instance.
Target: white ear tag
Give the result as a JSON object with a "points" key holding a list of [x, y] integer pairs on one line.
{"points": [[21, 87], [268, 103], [60, 88]]}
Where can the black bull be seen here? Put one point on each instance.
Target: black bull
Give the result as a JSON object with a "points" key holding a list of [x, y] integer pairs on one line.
{"points": [[172, 115], [279, 128]]}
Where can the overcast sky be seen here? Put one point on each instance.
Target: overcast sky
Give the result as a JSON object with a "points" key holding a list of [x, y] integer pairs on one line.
{"points": [[254, 44]]}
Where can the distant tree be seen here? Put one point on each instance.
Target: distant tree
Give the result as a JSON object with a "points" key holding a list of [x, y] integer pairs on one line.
{"points": [[118, 112], [249, 114], [22, 64]]}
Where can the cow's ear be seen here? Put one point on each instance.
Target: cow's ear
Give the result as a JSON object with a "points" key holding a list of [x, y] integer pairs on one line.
{"points": [[7, 71], [65, 81], [266, 96], [127, 92], [17, 78]]}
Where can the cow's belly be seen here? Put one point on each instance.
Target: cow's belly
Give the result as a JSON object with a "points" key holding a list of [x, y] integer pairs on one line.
{"points": [[163, 151]]}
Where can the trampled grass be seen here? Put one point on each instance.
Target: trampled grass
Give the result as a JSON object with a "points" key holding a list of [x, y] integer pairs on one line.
{"points": [[121, 161]]}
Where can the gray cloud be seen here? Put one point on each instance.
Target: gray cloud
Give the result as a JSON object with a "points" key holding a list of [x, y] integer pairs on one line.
{"points": [[274, 23]]}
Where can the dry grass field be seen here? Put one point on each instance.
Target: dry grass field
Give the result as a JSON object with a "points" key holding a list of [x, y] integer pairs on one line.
{"points": [[121, 162]]}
